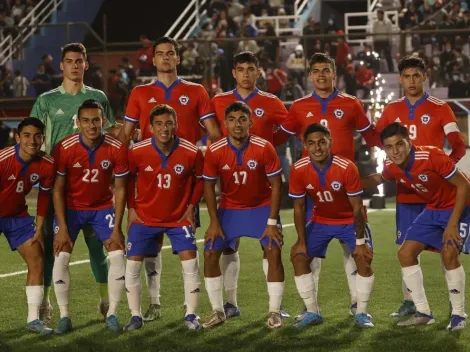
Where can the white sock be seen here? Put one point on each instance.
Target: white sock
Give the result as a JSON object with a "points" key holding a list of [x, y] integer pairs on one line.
{"points": [[364, 288], [315, 267], [306, 288], [133, 287], [192, 284], [265, 268], [350, 269], [153, 274], [61, 277], [230, 270], [116, 279], [413, 277], [456, 283], [275, 292], [34, 295], [214, 291]]}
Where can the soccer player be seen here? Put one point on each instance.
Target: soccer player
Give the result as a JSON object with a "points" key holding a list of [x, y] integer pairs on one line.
{"points": [[269, 113], [343, 115], [429, 121], [21, 167], [163, 169], [86, 164], [334, 185], [57, 109], [250, 182], [442, 225]]}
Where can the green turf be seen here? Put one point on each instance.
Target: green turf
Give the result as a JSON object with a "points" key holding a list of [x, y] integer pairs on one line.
{"points": [[248, 332]]}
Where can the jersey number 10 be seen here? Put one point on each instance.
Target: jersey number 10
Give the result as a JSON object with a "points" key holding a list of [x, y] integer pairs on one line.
{"points": [[325, 197]]}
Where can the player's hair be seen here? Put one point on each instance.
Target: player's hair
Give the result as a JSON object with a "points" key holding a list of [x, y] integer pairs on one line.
{"points": [[316, 127], [394, 129], [411, 62], [167, 40], [91, 104], [31, 121], [74, 48], [245, 57], [161, 109], [237, 106], [321, 58]]}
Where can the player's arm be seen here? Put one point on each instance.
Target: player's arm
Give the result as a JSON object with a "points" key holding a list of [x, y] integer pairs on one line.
{"points": [[131, 184], [132, 117], [62, 236], [43, 202], [196, 191], [297, 193], [290, 127], [279, 116], [207, 116], [365, 127], [372, 181], [212, 127], [452, 132]]}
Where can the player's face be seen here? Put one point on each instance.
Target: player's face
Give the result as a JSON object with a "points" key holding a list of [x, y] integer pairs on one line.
{"points": [[74, 66], [163, 128], [246, 75], [322, 76], [318, 146], [90, 123], [238, 124], [165, 58], [397, 148], [412, 80], [30, 140]]}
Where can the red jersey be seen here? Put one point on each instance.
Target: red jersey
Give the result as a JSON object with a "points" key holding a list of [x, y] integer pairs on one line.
{"points": [[329, 188], [243, 172], [18, 177], [343, 114], [426, 172], [428, 122], [164, 183], [190, 101], [90, 172], [267, 111]]}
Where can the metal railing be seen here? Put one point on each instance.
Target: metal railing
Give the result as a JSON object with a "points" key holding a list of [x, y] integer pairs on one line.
{"points": [[299, 6], [186, 23], [366, 29]]}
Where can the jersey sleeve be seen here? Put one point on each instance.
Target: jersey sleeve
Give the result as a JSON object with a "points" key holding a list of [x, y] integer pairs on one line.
{"points": [[121, 166], [198, 188], [296, 186], [280, 112], [199, 164], [46, 181], [39, 111], [133, 108], [442, 164], [384, 119], [132, 179], [361, 121], [204, 107], [291, 125], [60, 158], [272, 164], [386, 173], [353, 184], [448, 120], [210, 171]]}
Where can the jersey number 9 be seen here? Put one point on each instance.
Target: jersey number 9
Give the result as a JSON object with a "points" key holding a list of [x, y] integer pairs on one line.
{"points": [[413, 131]]}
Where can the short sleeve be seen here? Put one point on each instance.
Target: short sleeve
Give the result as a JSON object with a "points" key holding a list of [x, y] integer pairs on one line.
{"points": [[199, 164], [442, 164], [210, 172], [272, 164], [121, 166], [384, 119], [296, 186], [448, 120], [60, 158], [204, 107], [291, 125], [47, 180], [353, 184], [39, 111], [280, 112], [386, 173], [133, 108], [361, 121]]}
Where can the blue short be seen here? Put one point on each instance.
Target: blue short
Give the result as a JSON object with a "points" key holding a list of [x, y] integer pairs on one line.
{"points": [[405, 215], [429, 227], [101, 222], [238, 223], [142, 239], [17, 230]]}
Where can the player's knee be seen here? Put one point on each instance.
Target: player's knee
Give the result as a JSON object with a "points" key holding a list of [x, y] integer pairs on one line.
{"points": [[230, 251], [451, 258], [406, 256], [364, 268], [211, 258], [273, 256], [35, 264]]}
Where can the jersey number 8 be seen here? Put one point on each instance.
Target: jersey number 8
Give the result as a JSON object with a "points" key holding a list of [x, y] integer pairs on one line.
{"points": [[20, 187]]}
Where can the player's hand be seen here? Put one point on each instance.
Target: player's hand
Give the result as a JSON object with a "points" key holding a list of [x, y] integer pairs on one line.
{"points": [[298, 248], [213, 231], [61, 239], [451, 237], [39, 238], [132, 217], [272, 231], [117, 237], [364, 252], [189, 216]]}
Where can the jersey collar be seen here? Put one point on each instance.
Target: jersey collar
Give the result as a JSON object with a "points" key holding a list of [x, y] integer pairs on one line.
{"points": [[412, 107], [324, 102], [321, 173], [410, 163], [164, 158], [62, 89], [239, 152], [168, 89], [91, 152], [239, 97]]}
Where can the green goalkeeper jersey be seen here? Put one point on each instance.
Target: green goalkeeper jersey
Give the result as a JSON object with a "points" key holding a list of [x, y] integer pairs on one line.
{"points": [[58, 109]]}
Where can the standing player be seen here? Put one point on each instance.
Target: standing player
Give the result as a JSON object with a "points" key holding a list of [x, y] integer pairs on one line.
{"points": [[250, 182], [166, 166], [21, 167], [269, 114], [86, 165], [429, 121], [343, 115], [57, 109], [192, 105], [434, 176], [334, 185]]}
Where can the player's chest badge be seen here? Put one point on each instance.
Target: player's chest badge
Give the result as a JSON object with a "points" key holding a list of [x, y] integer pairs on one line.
{"points": [[105, 164], [184, 100], [338, 113], [336, 186], [252, 164], [259, 112], [33, 178], [425, 119], [178, 169], [423, 177]]}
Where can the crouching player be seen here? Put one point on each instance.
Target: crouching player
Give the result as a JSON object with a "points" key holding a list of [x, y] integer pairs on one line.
{"points": [[443, 224], [333, 183], [166, 167], [86, 164], [249, 170], [21, 167]]}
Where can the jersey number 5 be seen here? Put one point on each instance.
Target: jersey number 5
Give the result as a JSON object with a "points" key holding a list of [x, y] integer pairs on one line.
{"points": [[93, 173], [164, 181], [240, 177]]}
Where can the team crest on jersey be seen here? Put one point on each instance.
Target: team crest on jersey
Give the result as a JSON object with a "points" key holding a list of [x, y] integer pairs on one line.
{"points": [[184, 100], [105, 164], [33, 178], [338, 113], [259, 112], [336, 185], [425, 119], [178, 168], [423, 177], [252, 164]]}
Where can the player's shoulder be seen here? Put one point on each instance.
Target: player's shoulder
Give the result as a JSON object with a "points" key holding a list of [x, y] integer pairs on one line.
{"points": [[347, 97], [223, 95], [267, 95], [69, 141], [6, 153], [183, 143], [301, 163], [304, 100], [192, 85], [142, 88], [218, 145], [112, 141], [95, 92], [50, 94], [424, 152], [341, 162], [142, 146], [435, 101], [46, 158], [394, 104], [258, 141]]}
